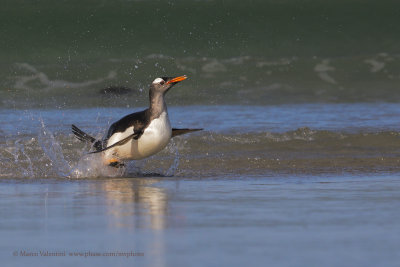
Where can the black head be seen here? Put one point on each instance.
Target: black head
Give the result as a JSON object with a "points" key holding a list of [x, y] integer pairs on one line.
{"points": [[163, 84]]}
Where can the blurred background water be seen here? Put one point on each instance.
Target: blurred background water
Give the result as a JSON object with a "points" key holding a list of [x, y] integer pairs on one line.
{"points": [[65, 54]]}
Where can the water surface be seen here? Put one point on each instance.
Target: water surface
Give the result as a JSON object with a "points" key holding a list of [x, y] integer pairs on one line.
{"points": [[286, 221]]}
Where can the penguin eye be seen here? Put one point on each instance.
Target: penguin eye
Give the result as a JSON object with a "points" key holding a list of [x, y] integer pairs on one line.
{"points": [[162, 82]]}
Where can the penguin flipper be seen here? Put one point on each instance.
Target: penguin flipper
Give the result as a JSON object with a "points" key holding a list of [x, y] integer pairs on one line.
{"points": [[119, 143]]}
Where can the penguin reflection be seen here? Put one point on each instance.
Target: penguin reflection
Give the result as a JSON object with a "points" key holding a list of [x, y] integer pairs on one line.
{"points": [[134, 203]]}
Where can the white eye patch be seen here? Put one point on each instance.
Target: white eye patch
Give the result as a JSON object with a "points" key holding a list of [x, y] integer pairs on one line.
{"points": [[157, 80]]}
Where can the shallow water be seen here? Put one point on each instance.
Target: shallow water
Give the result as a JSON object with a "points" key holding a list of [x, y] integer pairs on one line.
{"points": [[285, 185], [286, 221]]}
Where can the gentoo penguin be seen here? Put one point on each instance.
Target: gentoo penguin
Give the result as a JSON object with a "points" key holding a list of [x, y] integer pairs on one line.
{"points": [[140, 134]]}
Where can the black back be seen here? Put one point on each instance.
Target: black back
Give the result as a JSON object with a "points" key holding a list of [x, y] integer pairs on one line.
{"points": [[139, 120]]}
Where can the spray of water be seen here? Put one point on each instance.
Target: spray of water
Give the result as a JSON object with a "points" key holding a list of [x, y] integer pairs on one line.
{"points": [[172, 169], [53, 151]]}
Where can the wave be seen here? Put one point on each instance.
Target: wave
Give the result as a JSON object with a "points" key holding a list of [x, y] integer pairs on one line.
{"points": [[304, 151], [214, 80]]}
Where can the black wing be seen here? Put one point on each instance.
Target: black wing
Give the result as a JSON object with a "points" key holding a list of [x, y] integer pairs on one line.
{"points": [[119, 143], [139, 121]]}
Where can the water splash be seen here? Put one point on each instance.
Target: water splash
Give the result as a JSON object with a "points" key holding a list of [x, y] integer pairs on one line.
{"points": [[88, 166], [16, 158], [173, 149], [91, 166], [25, 158], [53, 151]]}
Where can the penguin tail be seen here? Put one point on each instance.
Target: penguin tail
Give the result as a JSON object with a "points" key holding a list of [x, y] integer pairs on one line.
{"points": [[84, 137]]}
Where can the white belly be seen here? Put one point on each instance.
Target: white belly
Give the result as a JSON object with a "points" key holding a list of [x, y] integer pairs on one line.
{"points": [[154, 139]]}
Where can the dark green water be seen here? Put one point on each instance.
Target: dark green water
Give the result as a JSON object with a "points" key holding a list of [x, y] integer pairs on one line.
{"points": [[265, 52], [40, 30]]}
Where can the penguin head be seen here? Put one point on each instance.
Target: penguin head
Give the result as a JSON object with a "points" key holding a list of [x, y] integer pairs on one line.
{"points": [[163, 84]]}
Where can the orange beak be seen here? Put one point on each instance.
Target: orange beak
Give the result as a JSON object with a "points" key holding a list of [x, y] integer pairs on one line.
{"points": [[177, 79]]}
